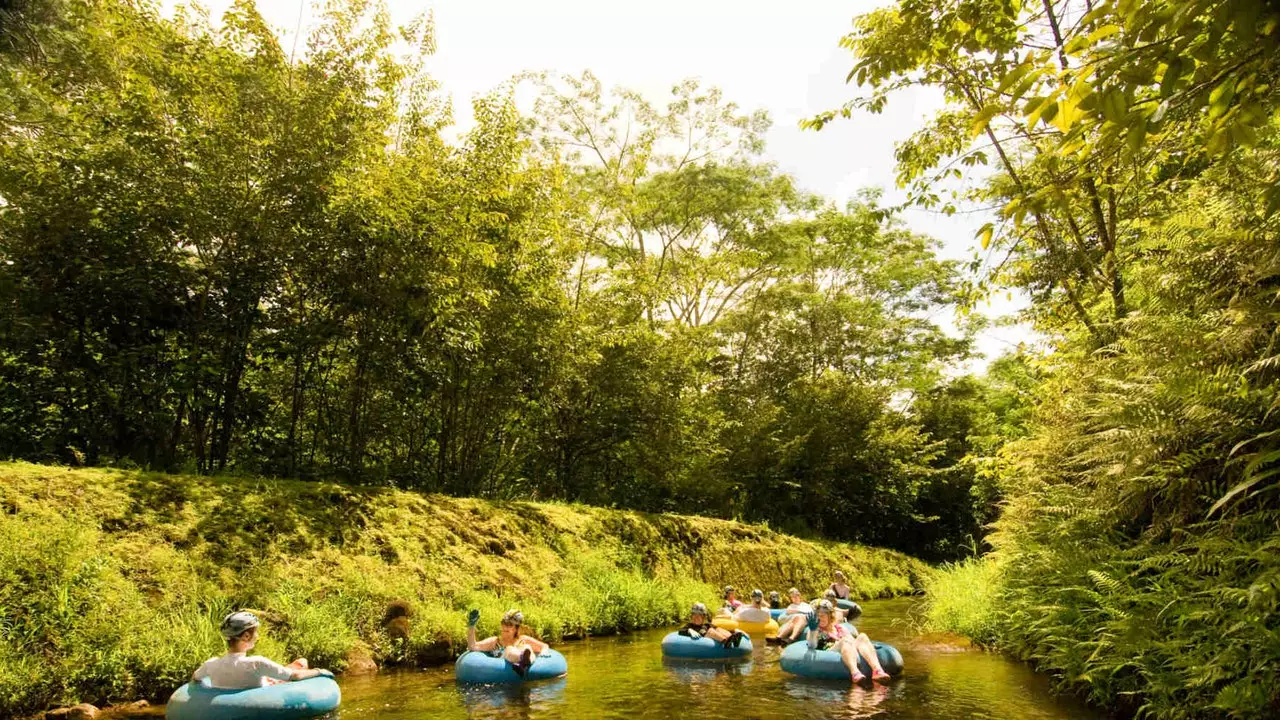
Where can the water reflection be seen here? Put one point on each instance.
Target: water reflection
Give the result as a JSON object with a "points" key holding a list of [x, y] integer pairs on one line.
{"points": [[512, 701], [690, 671], [841, 698]]}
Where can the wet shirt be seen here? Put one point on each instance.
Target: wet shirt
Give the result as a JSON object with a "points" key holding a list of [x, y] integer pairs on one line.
{"points": [[237, 671], [691, 629]]}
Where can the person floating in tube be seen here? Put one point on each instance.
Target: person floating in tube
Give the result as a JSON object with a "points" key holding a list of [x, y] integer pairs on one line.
{"points": [[238, 670], [827, 634], [508, 644], [797, 619], [756, 612], [840, 587], [731, 601], [700, 626]]}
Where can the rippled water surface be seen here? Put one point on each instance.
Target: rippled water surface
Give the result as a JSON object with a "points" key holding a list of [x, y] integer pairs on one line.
{"points": [[626, 677]]}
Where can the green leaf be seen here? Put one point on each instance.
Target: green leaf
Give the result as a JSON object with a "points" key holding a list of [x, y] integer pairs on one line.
{"points": [[1114, 106]]}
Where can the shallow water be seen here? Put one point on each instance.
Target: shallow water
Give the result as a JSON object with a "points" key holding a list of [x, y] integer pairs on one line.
{"points": [[626, 677]]}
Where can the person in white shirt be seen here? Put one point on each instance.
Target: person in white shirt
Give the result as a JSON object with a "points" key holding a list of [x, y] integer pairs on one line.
{"points": [[795, 619], [237, 670]]}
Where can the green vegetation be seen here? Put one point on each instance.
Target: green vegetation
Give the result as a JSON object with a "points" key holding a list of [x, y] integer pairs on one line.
{"points": [[112, 583], [216, 257], [963, 598], [1130, 153]]}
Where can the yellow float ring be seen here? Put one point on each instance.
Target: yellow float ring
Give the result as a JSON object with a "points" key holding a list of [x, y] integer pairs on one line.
{"points": [[767, 629], [725, 622]]}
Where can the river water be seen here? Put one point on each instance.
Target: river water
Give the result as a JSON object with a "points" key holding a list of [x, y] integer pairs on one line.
{"points": [[626, 677]]}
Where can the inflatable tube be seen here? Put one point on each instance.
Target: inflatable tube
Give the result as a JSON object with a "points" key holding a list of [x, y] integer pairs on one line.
{"points": [[798, 659], [675, 645], [768, 629], [725, 622], [777, 613], [478, 667], [852, 609], [301, 699]]}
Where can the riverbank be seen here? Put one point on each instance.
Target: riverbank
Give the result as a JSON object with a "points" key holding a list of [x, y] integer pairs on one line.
{"points": [[112, 582]]}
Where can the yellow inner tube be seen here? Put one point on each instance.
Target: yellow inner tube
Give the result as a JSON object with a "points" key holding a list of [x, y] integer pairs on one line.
{"points": [[768, 629], [726, 622]]}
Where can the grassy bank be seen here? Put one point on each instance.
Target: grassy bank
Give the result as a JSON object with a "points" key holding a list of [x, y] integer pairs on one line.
{"points": [[962, 598], [112, 582]]}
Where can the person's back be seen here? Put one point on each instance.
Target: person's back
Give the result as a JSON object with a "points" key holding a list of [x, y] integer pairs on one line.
{"points": [[238, 671]]}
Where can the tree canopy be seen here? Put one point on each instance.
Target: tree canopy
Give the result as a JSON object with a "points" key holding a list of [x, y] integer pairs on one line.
{"points": [[222, 257]]}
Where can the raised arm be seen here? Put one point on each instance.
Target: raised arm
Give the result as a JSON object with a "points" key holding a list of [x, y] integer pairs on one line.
{"points": [[485, 645], [812, 637]]}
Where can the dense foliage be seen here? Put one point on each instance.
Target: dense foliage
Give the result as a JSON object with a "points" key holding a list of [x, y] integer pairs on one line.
{"points": [[219, 256], [1129, 153], [111, 594]]}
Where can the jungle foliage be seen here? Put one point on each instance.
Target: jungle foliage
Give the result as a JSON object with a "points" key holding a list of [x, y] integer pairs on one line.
{"points": [[1128, 151], [219, 255]]}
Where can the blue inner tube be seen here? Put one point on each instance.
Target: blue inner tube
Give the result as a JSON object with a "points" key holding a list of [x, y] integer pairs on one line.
{"points": [[301, 699], [776, 613], [675, 645], [478, 667], [851, 608], [798, 659]]}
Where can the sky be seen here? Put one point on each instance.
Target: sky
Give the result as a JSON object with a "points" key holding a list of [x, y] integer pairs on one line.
{"points": [[781, 56]]}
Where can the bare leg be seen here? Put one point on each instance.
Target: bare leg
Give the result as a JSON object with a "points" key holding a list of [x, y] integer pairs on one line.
{"points": [[868, 653], [791, 628], [300, 663], [849, 654], [718, 634]]}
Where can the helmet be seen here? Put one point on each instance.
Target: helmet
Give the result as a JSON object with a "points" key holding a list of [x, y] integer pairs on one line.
{"points": [[757, 594], [826, 607], [513, 617], [793, 591], [699, 609], [774, 596], [728, 589], [839, 575], [829, 594], [238, 623]]}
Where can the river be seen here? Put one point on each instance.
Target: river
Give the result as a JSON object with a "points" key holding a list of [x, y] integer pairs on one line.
{"points": [[626, 677]]}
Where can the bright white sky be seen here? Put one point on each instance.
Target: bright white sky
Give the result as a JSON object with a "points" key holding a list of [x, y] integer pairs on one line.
{"points": [[779, 56]]}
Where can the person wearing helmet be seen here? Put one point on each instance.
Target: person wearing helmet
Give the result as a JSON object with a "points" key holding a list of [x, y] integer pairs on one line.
{"points": [[775, 600], [793, 626], [509, 643], [825, 633], [699, 625], [237, 670], [731, 601], [756, 612]]}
